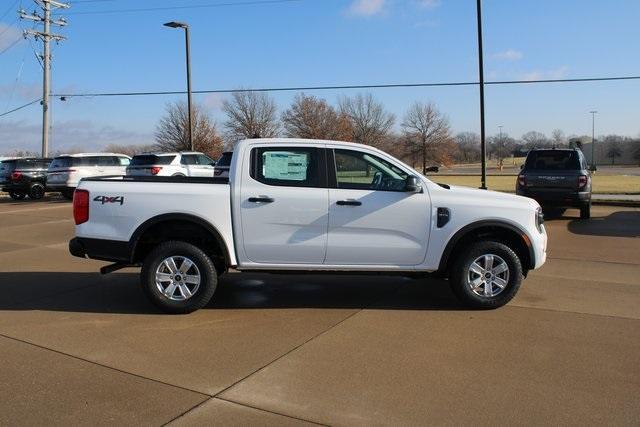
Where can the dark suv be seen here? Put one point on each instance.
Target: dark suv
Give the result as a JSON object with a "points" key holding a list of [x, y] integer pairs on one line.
{"points": [[24, 177], [557, 179]]}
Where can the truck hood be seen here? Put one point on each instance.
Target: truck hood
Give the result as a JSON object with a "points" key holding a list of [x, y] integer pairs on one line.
{"points": [[476, 196]]}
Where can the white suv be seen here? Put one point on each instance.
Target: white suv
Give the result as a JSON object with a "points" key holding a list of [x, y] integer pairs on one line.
{"points": [[171, 164], [66, 171]]}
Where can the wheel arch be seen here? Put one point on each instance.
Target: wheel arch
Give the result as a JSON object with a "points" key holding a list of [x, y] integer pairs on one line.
{"points": [[501, 231], [170, 222]]}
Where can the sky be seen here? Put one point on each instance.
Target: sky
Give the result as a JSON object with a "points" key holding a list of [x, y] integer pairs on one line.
{"points": [[324, 42]]}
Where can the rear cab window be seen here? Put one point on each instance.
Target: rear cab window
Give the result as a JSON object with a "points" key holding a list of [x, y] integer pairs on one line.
{"points": [[553, 160]]}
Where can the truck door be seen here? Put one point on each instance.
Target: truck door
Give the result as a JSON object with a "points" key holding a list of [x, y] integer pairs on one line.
{"points": [[284, 205], [372, 219]]}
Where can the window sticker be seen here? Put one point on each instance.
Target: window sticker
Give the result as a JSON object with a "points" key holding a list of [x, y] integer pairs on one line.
{"points": [[285, 165]]}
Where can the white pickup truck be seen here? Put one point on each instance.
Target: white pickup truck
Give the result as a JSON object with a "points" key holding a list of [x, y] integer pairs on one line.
{"points": [[307, 206]]}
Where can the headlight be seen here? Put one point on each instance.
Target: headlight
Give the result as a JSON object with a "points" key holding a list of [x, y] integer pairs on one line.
{"points": [[539, 219]]}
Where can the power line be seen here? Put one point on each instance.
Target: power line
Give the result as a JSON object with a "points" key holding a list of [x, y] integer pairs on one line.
{"points": [[344, 87], [20, 107], [9, 10], [10, 46], [193, 6]]}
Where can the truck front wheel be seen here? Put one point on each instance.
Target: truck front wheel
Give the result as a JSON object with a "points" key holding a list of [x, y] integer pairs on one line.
{"points": [[486, 275], [178, 277]]}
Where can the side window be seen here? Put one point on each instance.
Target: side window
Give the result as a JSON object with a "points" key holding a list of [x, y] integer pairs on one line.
{"points": [[363, 171], [189, 159], [107, 161], [123, 161], [284, 166]]}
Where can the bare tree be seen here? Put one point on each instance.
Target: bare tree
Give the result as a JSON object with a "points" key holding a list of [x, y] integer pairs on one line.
{"points": [[557, 138], [370, 123], [172, 132], [426, 130], [250, 115], [501, 147], [311, 117], [534, 139], [468, 146]]}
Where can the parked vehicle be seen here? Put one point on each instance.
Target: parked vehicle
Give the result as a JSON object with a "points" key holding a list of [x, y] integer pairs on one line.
{"points": [[304, 206], [66, 171], [557, 179], [221, 170], [24, 177], [171, 164]]}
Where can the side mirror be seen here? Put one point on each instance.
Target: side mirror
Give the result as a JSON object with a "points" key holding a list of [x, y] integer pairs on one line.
{"points": [[435, 169], [412, 184]]}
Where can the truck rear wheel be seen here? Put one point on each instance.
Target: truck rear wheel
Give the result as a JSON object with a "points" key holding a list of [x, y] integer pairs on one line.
{"points": [[178, 277], [486, 275]]}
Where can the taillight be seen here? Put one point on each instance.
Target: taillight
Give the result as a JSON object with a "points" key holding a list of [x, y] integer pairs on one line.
{"points": [[155, 170], [80, 206], [582, 181], [16, 176], [522, 180]]}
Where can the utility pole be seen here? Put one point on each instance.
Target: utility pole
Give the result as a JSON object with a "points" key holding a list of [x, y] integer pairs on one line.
{"points": [[593, 139], [483, 147], [46, 36]]}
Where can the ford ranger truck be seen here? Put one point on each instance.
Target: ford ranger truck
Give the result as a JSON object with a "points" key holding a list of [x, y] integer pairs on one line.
{"points": [[295, 205]]}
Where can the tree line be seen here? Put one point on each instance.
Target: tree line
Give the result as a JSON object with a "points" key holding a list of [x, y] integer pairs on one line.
{"points": [[424, 138]]}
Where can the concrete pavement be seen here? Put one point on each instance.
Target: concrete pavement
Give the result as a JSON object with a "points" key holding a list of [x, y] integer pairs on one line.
{"points": [[82, 348]]}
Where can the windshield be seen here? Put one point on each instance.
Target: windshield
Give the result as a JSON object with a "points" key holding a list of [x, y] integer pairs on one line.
{"points": [[225, 160], [151, 159], [553, 160]]}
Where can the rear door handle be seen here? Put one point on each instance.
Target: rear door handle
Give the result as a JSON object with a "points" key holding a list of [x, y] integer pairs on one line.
{"points": [[348, 203], [261, 199]]}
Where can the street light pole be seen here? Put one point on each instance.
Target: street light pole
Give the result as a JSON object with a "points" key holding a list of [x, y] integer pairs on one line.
{"points": [[483, 148], [184, 26], [593, 139]]}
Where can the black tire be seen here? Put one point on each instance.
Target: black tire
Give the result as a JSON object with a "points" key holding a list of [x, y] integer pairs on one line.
{"points": [[205, 267], [67, 194], [17, 195], [585, 211], [36, 191], [459, 273]]}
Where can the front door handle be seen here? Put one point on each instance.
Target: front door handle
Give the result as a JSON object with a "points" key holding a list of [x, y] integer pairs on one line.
{"points": [[348, 202], [261, 199]]}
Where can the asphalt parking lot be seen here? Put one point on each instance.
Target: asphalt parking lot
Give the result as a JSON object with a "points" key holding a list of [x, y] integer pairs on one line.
{"points": [[80, 348]]}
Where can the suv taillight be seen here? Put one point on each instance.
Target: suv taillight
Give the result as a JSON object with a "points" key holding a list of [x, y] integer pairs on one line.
{"points": [[155, 170], [16, 176], [522, 180], [582, 181], [80, 206]]}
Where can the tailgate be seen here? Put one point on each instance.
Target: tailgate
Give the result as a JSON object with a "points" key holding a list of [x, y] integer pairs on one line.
{"points": [[559, 181]]}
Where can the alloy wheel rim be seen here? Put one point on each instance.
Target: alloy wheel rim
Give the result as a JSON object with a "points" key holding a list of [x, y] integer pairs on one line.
{"points": [[178, 278], [488, 275]]}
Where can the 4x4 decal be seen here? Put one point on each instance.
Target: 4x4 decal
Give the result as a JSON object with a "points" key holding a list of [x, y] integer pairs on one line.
{"points": [[109, 199]]}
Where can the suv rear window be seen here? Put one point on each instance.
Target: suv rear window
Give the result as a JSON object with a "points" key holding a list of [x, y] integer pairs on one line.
{"points": [[151, 159], [225, 159], [553, 160], [31, 163]]}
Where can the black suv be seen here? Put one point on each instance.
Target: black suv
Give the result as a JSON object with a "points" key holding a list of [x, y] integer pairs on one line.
{"points": [[557, 179], [24, 177]]}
